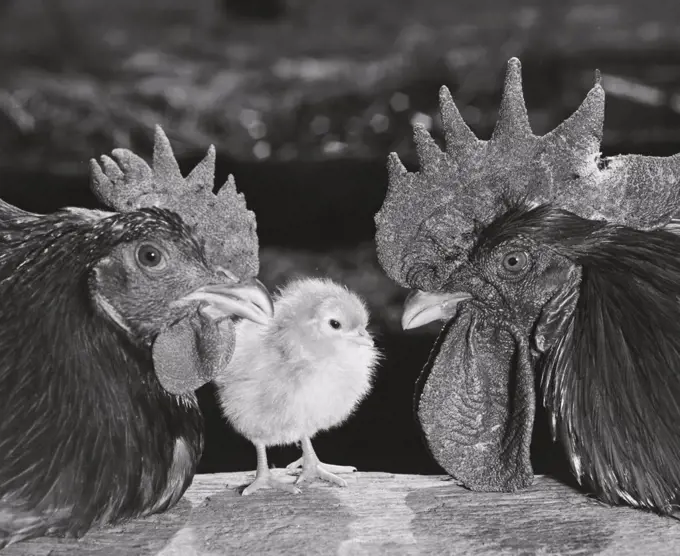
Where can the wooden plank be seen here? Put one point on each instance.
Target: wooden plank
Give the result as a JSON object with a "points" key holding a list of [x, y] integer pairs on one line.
{"points": [[378, 513]]}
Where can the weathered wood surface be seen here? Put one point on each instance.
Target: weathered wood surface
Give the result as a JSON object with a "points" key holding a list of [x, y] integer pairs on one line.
{"points": [[377, 514]]}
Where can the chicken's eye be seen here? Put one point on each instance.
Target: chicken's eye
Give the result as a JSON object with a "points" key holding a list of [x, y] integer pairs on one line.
{"points": [[515, 261], [334, 324], [149, 256]]}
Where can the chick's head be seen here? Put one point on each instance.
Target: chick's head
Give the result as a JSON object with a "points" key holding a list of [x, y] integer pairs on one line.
{"points": [[325, 318]]}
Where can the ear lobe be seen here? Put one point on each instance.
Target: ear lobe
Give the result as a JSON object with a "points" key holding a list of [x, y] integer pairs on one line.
{"points": [[556, 314], [477, 405], [190, 352]]}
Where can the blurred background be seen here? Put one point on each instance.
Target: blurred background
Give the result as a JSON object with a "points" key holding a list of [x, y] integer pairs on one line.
{"points": [[303, 101]]}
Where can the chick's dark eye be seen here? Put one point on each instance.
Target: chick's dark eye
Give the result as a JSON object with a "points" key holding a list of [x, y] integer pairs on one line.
{"points": [[515, 261], [149, 256], [334, 324]]}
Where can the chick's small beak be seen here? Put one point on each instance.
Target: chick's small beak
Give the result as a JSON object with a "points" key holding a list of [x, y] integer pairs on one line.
{"points": [[421, 308], [248, 299], [363, 338]]}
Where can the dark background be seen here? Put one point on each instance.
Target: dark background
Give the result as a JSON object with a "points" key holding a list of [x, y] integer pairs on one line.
{"points": [[303, 100]]}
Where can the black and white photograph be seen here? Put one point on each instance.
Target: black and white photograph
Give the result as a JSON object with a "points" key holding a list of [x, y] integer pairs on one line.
{"points": [[339, 277]]}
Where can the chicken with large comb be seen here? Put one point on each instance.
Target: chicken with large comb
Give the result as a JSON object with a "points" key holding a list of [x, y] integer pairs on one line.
{"points": [[109, 322], [541, 256]]}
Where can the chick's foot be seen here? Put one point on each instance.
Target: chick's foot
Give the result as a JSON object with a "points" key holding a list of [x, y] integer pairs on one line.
{"points": [[312, 468], [267, 480], [316, 471], [264, 477], [329, 467]]}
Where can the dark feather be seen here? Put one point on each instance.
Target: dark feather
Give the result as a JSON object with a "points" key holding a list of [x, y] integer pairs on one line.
{"points": [[10, 212], [613, 381], [106, 442]]}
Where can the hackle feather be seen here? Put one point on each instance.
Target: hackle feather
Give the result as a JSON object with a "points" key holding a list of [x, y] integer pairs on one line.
{"points": [[613, 380]]}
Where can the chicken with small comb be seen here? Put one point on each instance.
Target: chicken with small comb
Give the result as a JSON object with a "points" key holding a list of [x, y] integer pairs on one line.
{"points": [[304, 372], [109, 322], [541, 257]]}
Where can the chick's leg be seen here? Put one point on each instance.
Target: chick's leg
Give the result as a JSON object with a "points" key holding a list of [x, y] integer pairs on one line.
{"points": [[264, 477], [312, 468]]}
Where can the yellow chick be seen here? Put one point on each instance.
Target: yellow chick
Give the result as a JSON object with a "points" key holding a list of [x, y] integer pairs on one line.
{"points": [[303, 372]]}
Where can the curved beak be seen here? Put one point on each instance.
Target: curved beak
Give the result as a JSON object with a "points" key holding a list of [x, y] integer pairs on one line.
{"points": [[421, 308], [248, 299]]}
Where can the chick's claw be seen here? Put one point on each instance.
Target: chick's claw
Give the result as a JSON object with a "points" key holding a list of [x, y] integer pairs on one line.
{"points": [[264, 477], [329, 467], [267, 480], [317, 471], [312, 468]]}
